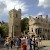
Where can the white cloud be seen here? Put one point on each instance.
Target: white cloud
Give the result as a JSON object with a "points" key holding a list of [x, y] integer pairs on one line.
{"points": [[40, 13], [0, 18], [9, 4], [2, 6], [18, 5], [44, 3], [25, 15]]}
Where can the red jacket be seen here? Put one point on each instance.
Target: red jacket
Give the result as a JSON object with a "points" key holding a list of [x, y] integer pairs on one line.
{"points": [[24, 46]]}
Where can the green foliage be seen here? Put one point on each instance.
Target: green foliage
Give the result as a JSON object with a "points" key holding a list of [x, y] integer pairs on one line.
{"points": [[24, 24], [2, 31]]}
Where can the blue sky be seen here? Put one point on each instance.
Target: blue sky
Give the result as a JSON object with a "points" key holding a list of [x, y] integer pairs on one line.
{"points": [[28, 7]]}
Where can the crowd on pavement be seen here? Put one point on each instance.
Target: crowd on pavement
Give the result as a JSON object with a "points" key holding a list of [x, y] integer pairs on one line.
{"points": [[21, 43]]}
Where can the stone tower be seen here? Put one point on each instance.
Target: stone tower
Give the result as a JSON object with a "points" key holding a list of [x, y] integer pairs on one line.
{"points": [[14, 22]]}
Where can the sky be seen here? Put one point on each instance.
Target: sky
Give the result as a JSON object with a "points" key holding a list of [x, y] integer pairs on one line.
{"points": [[28, 8]]}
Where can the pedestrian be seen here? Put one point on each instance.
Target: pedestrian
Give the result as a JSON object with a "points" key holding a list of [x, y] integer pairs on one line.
{"points": [[14, 41], [7, 43], [34, 43], [11, 43], [18, 43], [24, 46], [29, 43], [4, 43]]}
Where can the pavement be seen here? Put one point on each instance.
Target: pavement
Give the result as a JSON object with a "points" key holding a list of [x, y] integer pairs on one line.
{"points": [[44, 48], [9, 49], [40, 48], [4, 48], [44, 45]]}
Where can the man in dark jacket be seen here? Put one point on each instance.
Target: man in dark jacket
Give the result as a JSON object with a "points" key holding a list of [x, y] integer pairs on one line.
{"points": [[11, 43]]}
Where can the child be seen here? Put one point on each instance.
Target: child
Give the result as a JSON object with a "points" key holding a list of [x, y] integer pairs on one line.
{"points": [[24, 47]]}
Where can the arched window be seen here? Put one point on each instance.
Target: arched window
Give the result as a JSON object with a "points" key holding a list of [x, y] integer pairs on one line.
{"points": [[38, 30], [32, 29]]}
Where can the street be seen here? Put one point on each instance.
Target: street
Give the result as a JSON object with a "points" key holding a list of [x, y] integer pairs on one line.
{"points": [[45, 48], [43, 45], [14, 48], [9, 48]]}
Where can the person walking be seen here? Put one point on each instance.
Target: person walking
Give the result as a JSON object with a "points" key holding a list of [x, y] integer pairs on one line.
{"points": [[29, 43], [18, 43], [24, 46], [34, 43], [11, 43], [7, 43]]}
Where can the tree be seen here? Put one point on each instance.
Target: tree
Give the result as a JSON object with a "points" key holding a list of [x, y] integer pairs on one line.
{"points": [[24, 24], [2, 32]]}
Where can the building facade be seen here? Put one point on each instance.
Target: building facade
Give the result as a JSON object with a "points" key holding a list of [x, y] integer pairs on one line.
{"points": [[14, 22], [39, 26]]}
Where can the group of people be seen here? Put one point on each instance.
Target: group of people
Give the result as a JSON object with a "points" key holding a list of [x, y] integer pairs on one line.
{"points": [[20, 43]]}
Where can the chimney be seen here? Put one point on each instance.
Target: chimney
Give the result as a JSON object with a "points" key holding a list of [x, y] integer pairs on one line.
{"points": [[46, 16], [40, 16]]}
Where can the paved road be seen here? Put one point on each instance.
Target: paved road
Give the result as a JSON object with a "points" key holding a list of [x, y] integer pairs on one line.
{"points": [[43, 43], [9, 48], [43, 48]]}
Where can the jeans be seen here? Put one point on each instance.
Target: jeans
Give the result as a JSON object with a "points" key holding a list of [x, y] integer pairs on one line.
{"points": [[30, 46]]}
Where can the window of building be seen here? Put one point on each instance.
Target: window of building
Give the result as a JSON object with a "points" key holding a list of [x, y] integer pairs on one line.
{"points": [[45, 30], [38, 30], [16, 25], [32, 29], [48, 31]]}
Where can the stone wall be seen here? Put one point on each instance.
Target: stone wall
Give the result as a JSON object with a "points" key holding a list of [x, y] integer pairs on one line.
{"points": [[44, 43]]}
